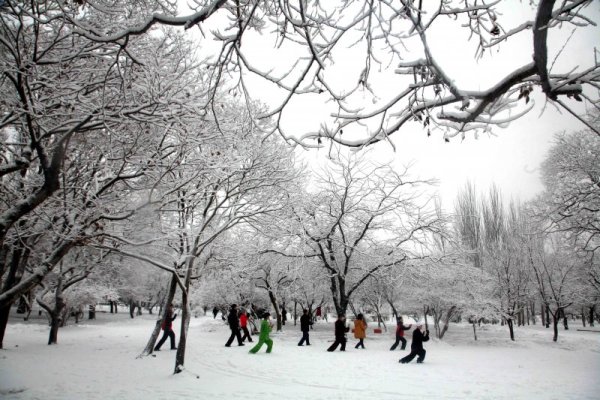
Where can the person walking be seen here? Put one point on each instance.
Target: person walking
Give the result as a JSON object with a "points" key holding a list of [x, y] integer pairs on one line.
{"points": [[167, 326], [340, 334], [416, 347], [265, 329], [360, 330], [234, 325], [304, 327], [244, 325], [400, 328]]}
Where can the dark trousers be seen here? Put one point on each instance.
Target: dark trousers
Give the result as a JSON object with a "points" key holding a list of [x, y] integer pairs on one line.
{"points": [[304, 339], [246, 334], [166, 333], [337, 342], [235, 333], [413, 353], [398, 340], [361, 343]]}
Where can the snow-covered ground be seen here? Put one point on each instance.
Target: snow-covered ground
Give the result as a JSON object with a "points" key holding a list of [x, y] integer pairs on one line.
{"points": [[97, 360]]}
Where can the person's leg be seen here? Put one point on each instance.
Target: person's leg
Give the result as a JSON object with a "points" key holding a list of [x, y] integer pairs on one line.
{"points": [[409, 357], [395, 343], [269, 343], [172, 336], [239, 337], [301, 342], [333, 346], [343, 341], [403, 343], [162, 340], [247, 332], [256, 348], [230, 340], [421, 356], [307, 339]]}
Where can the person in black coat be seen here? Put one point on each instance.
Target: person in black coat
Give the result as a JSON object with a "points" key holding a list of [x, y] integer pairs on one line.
{"points": [[167, 326], [416, 347], [234, 324], [340, 334], [305, 324]]}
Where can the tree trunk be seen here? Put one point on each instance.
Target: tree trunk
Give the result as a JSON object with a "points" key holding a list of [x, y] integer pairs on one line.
{"points": [[10, 280], [185, 319], [54, 325], [547, 316], [532, 309], [4, 313], [449, 314], [394, 311], [111, 306], [276, 308], [156, 331], [56, 314], [565, 320], [555, 320], [340, 298], [583, 315], [509, 322], [592, 312], [92, 311], [474, 330], [543, 315], [295, 311]]}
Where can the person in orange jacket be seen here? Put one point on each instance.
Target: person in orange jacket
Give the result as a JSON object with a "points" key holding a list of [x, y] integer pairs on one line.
{"points": [[360, 331]]}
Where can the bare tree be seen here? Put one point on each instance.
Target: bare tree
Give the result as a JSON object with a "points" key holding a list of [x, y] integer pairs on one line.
{"points": [[571, 201], [392, 40], [82, 121], [362, 219], [556, 279]]}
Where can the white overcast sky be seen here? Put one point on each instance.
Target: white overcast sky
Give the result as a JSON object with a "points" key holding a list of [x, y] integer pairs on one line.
{"points": [[510, 159]]}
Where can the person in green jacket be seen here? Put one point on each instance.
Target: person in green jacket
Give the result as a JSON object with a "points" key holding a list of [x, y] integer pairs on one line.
{"points": [[265, 329]]}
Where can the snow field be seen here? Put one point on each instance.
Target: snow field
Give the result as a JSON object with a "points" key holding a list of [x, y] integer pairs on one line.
{"points": [[98, 361]]}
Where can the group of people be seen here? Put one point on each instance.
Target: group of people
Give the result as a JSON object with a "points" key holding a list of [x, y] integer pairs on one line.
{"points": [[360, 328], [238, 324]]}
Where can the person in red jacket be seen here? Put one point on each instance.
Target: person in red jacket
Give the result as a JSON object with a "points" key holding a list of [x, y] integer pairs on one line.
{"points": [[167, 326], [400, 328], [244, 326]]}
